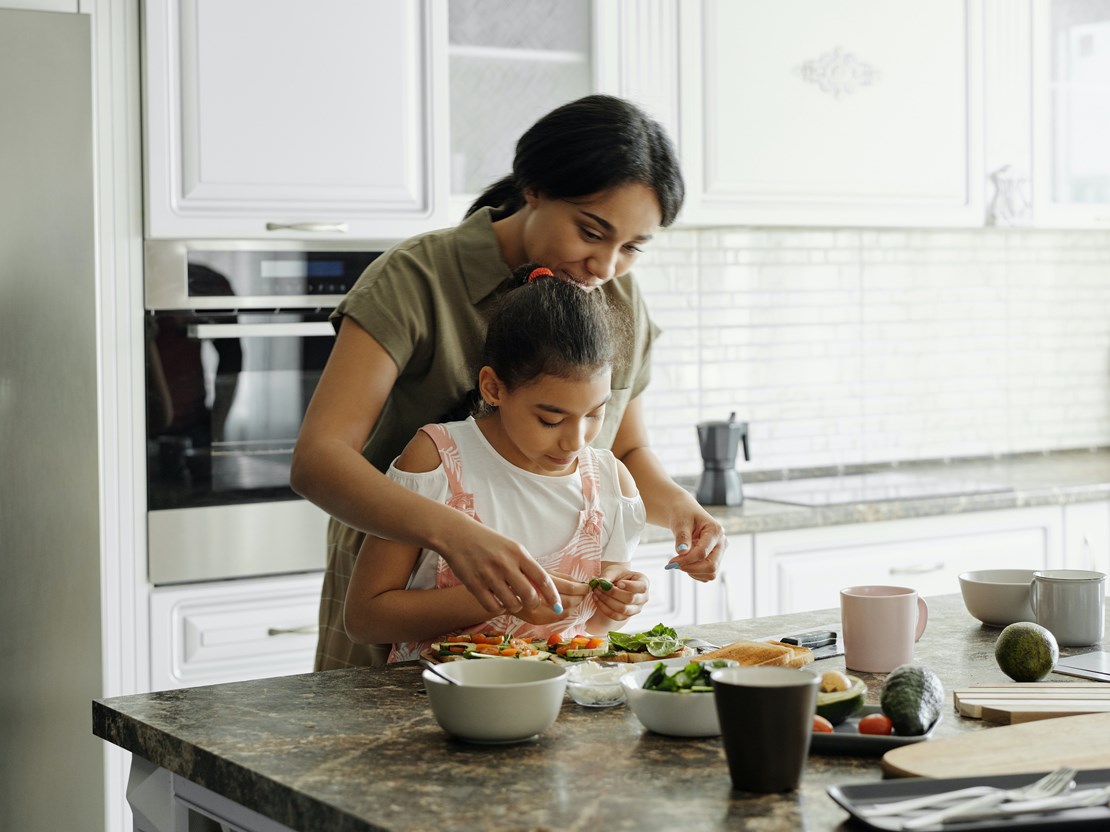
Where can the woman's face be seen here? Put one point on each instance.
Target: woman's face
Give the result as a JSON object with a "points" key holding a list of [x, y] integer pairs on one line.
{"points": [[590, 239]]}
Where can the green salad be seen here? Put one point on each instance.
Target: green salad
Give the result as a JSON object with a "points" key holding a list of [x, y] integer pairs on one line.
{"points": [[694, 678]]}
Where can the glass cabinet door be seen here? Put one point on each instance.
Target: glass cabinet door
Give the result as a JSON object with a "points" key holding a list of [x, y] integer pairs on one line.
{"points": [[510, 63], [1072, 99]]}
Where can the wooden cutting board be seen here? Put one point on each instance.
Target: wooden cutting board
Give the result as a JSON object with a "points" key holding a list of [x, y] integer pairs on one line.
{"points": [[1079, 741], [1026, 702]]}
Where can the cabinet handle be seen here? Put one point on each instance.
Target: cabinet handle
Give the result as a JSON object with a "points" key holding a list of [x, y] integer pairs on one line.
{"points": [[916, 570], [303, 630], [314, 227]]}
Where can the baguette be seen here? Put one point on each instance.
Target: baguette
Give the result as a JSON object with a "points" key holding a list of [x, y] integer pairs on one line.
{"points": [[762, 654]]}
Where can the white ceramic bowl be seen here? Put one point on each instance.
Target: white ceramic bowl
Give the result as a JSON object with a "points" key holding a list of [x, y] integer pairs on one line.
{"points": [[497, 700], [673, 714], [998, 597]]}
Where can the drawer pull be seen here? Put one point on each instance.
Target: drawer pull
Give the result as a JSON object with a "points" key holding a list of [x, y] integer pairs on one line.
{"points": [[303, 630], [309, 227], [916, 570]]}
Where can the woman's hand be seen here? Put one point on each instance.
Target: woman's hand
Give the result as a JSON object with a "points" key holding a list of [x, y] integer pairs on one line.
{"points": [[700, 540], [571, 594], [627, 597], [501, 574]]}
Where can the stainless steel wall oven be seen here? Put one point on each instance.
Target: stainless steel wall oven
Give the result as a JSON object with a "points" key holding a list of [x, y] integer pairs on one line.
{"points": [[237, 337]]}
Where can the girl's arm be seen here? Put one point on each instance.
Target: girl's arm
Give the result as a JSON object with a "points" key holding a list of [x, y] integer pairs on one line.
{"points": [[699, 538], [330, 471]]}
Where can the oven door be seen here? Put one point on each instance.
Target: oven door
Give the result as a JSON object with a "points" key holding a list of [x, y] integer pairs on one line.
{"points": [[226, 394]]}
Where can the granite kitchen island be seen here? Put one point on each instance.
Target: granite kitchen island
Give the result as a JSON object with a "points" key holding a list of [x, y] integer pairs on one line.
{"points": [[359, 750]]}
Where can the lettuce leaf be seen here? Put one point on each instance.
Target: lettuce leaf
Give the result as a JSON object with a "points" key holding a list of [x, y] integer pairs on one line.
{"points": [[659, 641]]}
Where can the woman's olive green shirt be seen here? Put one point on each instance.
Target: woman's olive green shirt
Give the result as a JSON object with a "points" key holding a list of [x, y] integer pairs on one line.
{"points": [[428, 301]]}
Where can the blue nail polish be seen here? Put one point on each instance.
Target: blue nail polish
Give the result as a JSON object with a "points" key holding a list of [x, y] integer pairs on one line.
{"points": [[682, 547], [671, 566], [558, 609]]}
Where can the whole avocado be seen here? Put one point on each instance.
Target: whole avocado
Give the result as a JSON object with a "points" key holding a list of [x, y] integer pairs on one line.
{"points": [[912, 699], [1026, 652]]}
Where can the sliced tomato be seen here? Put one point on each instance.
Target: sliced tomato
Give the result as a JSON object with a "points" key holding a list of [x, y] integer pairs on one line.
{"points": [[457, 649], [487, 648], [595, 642], [554, 638], [561, 650], [508, 651], [465, 638], [582, 641], [821, 725], [876, 724]]}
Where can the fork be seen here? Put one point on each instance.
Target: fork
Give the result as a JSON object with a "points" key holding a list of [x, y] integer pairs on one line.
{"points": [[1052, 784], [927, 801]]}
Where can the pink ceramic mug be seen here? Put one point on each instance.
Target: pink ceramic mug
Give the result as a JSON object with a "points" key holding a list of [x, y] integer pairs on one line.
{"points": [[880, 626]]}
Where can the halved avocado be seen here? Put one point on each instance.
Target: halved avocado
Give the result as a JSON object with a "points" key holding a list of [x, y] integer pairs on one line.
{"points": [[837, 705]]}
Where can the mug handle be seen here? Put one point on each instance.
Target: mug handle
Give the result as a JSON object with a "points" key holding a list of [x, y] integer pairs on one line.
{"points": [[922, 618], [1033, 596]]}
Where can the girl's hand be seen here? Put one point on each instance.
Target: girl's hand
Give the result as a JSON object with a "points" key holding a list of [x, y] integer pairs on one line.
{"points": [[627, 597], [571, 594], [700, 541]]}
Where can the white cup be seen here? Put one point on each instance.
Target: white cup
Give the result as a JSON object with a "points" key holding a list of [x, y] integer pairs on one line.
{"points": [[881, 624], [1070, 603]]}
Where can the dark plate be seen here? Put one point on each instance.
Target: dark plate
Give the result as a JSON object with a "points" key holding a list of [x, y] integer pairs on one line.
{"points": [[846, 738], [853, 798]]}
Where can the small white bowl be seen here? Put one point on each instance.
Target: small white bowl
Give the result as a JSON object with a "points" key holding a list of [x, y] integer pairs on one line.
{"points": [[673, 714], [998, 597], [597, 684], [496, 700]]}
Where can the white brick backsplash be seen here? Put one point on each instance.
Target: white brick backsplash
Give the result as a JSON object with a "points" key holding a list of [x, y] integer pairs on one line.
{"points": [[848, 346]]}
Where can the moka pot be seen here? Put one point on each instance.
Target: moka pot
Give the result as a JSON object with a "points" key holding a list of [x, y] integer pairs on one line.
{"points": [[719, 484]]}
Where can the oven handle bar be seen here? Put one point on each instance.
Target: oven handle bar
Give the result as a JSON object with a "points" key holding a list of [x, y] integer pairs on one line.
{"points": [[295, 330]]}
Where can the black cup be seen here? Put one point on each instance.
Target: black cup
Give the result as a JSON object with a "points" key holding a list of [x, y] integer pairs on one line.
{"points": [[766, 716]]}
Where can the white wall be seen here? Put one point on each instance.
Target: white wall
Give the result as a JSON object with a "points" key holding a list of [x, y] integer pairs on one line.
{"points": [[858, 346]]}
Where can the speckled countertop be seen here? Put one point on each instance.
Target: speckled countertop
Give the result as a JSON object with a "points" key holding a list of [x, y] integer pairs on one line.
{"points": [[359, 750], [1056, 478]]}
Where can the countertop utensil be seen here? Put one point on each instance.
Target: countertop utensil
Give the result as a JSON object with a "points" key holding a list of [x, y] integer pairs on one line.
{"points": [[435, 672], [1055, 782], [901, 807]]}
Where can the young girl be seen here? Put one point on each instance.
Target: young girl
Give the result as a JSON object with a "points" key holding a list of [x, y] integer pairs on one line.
{"points": [[524, 467]]}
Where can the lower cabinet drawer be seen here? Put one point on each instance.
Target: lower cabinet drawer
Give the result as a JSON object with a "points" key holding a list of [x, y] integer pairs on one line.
{"points": [[233, 630]]}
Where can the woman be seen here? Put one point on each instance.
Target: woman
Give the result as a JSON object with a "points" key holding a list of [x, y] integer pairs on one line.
{"points": [[592, 182]]}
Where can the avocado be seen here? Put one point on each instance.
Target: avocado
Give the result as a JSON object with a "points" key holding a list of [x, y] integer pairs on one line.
{"points": [[912, 699], [1026, 652], [837, 705]]}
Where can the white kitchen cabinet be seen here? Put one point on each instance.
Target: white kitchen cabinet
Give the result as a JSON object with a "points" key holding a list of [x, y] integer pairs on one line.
{"points": [[805, 569], [1071, 113], [230, 631], [861, 112], [1087, 537], [510, 64], [294, 119]]}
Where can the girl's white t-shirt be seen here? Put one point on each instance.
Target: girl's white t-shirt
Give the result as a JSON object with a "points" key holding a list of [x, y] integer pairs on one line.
{"points": [[537, 511]]}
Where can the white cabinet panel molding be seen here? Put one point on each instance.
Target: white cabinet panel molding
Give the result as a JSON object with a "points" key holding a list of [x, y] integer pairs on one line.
{"points": [[804, 112], [806, 569], [256, 125]]}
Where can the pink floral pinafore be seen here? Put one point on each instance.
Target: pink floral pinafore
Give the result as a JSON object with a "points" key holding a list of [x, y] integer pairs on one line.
{"points": [[580, 558]]}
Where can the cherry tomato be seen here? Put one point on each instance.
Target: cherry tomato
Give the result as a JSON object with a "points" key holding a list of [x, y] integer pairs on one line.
{"points": [[876, 724], [821, 725]]}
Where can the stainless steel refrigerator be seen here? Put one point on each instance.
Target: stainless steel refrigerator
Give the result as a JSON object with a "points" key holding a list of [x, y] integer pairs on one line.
{"points": [[51, 767]]}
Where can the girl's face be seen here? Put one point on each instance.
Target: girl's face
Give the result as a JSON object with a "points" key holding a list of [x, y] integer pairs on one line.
{"points": [[542, 426], [590, 239]]}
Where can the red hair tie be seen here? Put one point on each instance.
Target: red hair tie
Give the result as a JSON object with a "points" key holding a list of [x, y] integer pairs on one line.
{"points": [[542, 271]]}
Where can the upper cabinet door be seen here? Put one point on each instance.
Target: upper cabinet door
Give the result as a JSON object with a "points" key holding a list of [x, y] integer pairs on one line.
{"points": [[1071, 113], [510, 64], [805, 112], [294, 118]]}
